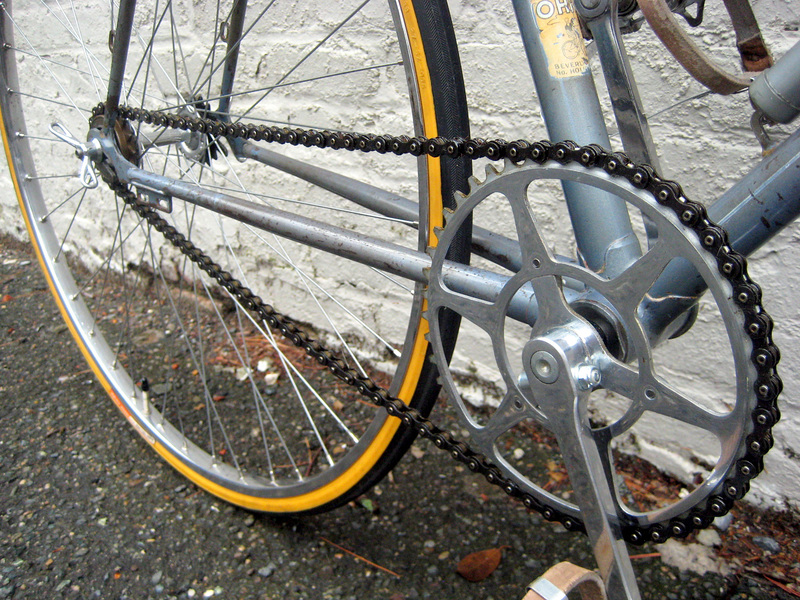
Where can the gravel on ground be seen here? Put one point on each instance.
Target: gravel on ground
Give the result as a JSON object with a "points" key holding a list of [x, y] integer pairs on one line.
{"points": [[88, 511]]}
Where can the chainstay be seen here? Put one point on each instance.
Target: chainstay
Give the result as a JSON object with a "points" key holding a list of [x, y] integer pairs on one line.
{"points": [[732, 266]]}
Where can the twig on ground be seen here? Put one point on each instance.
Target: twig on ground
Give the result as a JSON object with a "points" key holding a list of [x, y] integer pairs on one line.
{"points": [[785, 588], [351, 553]]}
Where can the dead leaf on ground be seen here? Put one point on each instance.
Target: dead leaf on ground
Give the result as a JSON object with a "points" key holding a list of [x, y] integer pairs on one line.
{"points": [[479, 565], [555, 471]]}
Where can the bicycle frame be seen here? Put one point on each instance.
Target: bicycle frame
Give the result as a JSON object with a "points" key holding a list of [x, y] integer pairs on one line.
{"points": [[752, 211]]}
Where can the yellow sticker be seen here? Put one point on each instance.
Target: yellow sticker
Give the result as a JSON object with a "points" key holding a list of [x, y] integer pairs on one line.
{"points": [[561, 37]]}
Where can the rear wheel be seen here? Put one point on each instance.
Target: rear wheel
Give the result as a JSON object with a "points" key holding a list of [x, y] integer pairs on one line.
{"points": [[238, 410]]}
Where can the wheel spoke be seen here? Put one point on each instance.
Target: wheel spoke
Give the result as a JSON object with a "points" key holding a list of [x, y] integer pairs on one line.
{"points": [[262, 408], [147, 56], [309, 283], [181, 354], [230, 51], [89, 61], [265, 90], [306, 56], [279, 248]]}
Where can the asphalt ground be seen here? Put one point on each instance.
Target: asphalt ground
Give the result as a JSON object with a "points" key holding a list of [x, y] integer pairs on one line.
{"points": [[87, 510]]}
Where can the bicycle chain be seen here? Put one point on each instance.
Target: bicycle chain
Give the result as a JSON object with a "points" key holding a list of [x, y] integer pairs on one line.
{"points": [[732, 265]]}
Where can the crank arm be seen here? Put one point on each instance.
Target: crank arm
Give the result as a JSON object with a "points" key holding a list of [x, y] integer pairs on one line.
{"points": [[561, 372]]}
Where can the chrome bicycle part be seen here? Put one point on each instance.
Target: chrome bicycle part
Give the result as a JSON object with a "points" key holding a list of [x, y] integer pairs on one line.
{"points": [[88, 153], [574, 346], [566, 355]]}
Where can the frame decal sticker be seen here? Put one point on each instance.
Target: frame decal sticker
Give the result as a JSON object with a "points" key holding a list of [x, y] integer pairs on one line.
{"points": [[561, 38]]}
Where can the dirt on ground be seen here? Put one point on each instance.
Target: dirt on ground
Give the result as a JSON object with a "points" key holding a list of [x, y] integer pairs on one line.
{"points": [[87, 510]]}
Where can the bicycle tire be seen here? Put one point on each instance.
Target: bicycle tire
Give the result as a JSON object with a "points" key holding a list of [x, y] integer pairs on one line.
{"points": [[190, 376]]}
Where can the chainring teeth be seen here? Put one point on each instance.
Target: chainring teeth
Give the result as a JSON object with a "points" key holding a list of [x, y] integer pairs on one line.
{"points": [[474, 183]]}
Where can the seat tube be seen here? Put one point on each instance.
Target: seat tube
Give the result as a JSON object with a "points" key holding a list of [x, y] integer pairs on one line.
{"points": [[234, 39], [122, 39], [565, 88]]}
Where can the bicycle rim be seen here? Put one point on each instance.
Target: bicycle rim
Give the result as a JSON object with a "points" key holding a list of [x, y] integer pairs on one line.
{"points": [[231, 406]]}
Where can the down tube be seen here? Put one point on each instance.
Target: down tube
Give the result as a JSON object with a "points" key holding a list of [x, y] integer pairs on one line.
{"points": [[753, 211], [568, 98]]}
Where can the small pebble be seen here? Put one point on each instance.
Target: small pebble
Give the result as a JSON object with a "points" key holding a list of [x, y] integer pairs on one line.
{"points": [[767, 543], [267, 571], [709, 537], [159, 388], [722, 523]]}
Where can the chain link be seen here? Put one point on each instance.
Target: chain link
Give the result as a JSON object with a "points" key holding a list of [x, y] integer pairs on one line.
{"points": [[732, 266]]}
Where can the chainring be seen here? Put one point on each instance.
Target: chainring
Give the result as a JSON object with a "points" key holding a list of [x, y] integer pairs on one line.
{"points": [[629, 380]]}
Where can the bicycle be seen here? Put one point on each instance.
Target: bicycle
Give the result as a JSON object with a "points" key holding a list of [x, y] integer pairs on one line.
{"points": [[154, 247]]}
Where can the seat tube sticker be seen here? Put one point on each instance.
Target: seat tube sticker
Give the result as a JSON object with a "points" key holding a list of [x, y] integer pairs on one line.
{"points": [[560, 34]]}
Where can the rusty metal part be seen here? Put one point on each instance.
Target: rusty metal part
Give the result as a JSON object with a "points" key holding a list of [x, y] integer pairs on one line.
{"points": [[749, 41], [127, 141], [755, 56]]}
